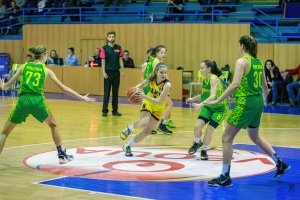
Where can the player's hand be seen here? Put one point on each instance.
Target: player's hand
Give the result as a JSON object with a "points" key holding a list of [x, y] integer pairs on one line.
{"points": [[88, 99], [140, 94], [197, 106], [105, 75], [1, 83], [189, 100]]}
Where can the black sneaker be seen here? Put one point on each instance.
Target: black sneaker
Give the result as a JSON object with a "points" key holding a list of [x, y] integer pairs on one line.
{"points": [[116, 114], [154, 131], [203, 155], [64, 157], [282, 167], [195, 147], [163, 128], [221, 181], [127, 150], [104, 114]]}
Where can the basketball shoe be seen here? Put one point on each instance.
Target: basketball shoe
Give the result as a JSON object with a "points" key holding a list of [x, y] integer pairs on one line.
{"points": [[282, 167], [195, 147], [127, 151], [125, 133], [221, 181], [163, 128], [64, 157]]}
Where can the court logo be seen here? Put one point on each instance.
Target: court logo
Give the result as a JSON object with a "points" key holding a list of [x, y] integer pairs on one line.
{"points": [[155, 163]]}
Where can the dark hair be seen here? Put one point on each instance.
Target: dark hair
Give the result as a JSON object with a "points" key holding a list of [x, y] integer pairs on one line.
{"points": [[126, 51], [213, 67], [250, 44], [160, 65], [157, 49], [37, 51], [271, 61], [111, 33], [72, 49], [29, 55], [150, 49]]}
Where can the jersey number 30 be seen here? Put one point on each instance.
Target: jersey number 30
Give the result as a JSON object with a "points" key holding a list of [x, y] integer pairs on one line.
{"points": [[258, 79]]}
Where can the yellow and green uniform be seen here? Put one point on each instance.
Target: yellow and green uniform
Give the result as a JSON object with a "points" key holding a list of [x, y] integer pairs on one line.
{"points": [[249, 99], [31, 95], [149, 69], [154, 92], [213, 112]]}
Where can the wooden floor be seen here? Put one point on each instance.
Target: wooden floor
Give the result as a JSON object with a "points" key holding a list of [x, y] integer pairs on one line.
{"points": [[81, 125]]}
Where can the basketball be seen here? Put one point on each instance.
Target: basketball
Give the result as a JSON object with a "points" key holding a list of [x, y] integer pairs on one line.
{"points": [[132, 95]]}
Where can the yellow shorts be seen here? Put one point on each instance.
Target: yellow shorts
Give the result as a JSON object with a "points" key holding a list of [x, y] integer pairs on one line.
{"points": [[155, 109]]}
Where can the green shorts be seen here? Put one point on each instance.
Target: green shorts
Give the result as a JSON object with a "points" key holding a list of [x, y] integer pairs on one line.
{"points": [[247, 112], [216, 114], [29, 104]]}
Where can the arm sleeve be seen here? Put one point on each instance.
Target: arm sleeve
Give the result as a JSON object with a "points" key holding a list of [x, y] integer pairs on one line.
{"points": [[102, 54]]}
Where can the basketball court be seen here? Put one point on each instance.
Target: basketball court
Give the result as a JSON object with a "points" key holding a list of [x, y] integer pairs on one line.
{"points": [[160, 167]]}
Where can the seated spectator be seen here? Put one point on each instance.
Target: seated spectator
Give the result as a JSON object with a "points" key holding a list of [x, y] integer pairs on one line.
{"points": [[274, 80], [94, 60], [71, 58], [128, 62], [2, 16], [293, 87], [13, 13], [73, 13], [174, 7], [41, 6], [29, 58], [54, 59]]}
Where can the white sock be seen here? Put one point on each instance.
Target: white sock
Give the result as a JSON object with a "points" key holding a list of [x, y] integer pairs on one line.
{"points": [[130, 143], [197, 140], [131, 127], [226, 169], [163, 121], [205, 147]]}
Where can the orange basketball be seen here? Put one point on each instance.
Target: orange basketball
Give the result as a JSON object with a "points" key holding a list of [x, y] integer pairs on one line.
{"points": [[132, 95]]}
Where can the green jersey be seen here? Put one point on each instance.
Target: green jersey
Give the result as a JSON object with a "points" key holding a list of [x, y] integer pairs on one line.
{"points": [[205, 93], [251, 83], [149, 69], [33, 79]]}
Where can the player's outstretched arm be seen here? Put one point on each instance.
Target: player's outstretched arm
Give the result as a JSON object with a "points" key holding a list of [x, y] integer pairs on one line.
{"points": [[68, 90], [5, 86]]}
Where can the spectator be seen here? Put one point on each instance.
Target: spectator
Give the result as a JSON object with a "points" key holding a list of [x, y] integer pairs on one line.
{"points": [[29, 58], [174, 7], [108, 2], [73, 13], [128, 62], [112, 66], [54, 59], [94, 60], [13, 13], [292, 87], [20, 3], [71, 58], [274, 80], [41, 6], [2, 16]]}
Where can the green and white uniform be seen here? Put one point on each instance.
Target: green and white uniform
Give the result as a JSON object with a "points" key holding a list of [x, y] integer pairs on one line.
{"points": [[149, 69], [249, 99], [31, 95], [215, 112]]}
